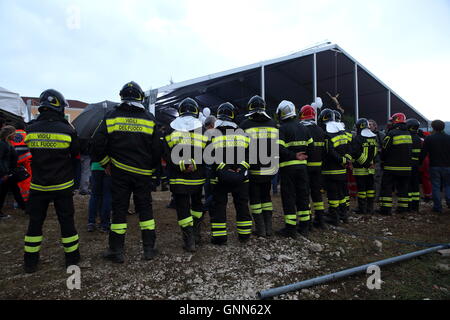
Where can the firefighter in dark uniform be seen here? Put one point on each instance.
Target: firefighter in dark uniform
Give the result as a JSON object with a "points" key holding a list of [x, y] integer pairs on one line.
{"points": [[396, 155], [414, 184], [364, 151], [184, 144], [263, 132], [307, 117], [54, 145], [334, 165], [128, 146], [296, 145], [230, 147]]}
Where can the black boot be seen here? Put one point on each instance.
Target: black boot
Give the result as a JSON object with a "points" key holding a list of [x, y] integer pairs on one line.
{"points": [[343, 213], [362, 206], [197, 230], [188, 239], [149, 244], [369, 209], [303, 227], [72, 258], [115, 250], [260, 229], [289, 231], [268, 223], [31, 261], [318, 220], [332, 217]]}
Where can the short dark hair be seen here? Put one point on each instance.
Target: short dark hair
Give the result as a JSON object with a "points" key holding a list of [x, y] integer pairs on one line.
{"points": [[438, 125]]}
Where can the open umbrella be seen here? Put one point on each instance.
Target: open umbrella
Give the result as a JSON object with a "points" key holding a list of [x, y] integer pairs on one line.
{"points": [[88, 121]]}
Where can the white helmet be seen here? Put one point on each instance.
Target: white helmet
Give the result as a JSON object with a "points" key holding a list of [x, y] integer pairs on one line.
{"points": [[286, 110]]}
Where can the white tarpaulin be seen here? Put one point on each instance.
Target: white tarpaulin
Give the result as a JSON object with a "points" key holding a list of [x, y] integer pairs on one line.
{"points": [[13, 103]]}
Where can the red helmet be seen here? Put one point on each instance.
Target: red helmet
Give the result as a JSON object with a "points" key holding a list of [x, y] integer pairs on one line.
{"points": [[398, 118], [307, 113]]}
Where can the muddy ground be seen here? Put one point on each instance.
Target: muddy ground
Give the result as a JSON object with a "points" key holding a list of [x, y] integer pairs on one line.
{"points": [[234, 271]]}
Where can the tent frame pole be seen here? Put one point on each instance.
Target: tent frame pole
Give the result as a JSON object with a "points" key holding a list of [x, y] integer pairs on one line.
{"points": [[263, 83], [356, 94], [388, 105]]}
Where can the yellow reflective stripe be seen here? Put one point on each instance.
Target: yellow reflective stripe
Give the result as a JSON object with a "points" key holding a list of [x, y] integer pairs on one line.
{"points": [[124, 124], [43, 140], [319, 144], [147, 225], [231, 141], [128, 168], [259, 129], [244, 223], [218, 225], [70, 239], [71, 249], [186, 138], [32, 249], [196, 214], [194, 164], [182, 165], [105, 160], [292, 163], [120, 228], [314, 164], [298, 143], [187, 182], [221, 166], [318, 205], [244, 231], [219, 233], [416, 150], [256, 208], [245, 165], [339, 140], [406, 139], [57, 187], [34, 239], [188, 222], [263, 133], [281, 142], [360, 171], [290, 219], [397, 168], [262, 172], [343, 171]]}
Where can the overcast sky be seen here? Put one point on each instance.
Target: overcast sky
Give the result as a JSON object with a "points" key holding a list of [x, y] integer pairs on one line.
{"points": [[89, 49]]}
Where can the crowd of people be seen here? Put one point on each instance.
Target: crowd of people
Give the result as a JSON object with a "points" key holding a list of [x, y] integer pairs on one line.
{"points": [[309, 152]]}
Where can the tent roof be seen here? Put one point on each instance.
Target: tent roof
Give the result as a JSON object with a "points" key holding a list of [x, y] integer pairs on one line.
{"points": [[11, 103], [291, 77]]}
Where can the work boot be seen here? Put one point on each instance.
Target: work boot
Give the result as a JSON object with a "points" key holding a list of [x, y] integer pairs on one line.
{"points": [[188, 239], [268, 223], [115, 251], [362, 206], [369, 209], [72, 258], [318, 220], [197, 230], [31, 261], [343, 214], [219, 241], [149, 244], [332, 217], [289, 231], [303, 227], [260, 229], [244, 238]]}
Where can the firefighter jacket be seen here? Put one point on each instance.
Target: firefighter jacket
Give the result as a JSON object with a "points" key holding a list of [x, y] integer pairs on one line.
{"points": [[22, 150], [183, 148], [264, 138], [364, 153], [336, 154], [318, 136], [127, 138], [396, 151], [230, 148], [294, 138], [416, 149], [53, 143]]}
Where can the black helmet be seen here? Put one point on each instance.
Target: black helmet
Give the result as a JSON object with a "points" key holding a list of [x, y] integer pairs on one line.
{"points": [[131, 91], [226, 112], [188, 107], [326, 115], [52, 100], [361, 124], [256, 103], [413, 125], [337, 116]]}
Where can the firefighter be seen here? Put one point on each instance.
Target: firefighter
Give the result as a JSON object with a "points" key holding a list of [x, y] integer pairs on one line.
{"points": [[128, 146], [184, 144], [414, 184], [396, 155], [229, 175], [296, 145], [54, 145], [263, 133], [334, 164], [364, 151], [307, 117], [24, 159]]}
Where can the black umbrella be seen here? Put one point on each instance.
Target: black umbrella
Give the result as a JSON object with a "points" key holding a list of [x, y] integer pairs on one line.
{"points": [[90, 118], [165, 115]]}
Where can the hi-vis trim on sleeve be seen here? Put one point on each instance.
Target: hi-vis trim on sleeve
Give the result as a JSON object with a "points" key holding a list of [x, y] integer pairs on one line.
{"points": [[104, 161], [57, 187], [406, 139], [128, 168], [130, 125], [245, 165], [319, 144], [44, 140], [339, 140], [186, 138]]}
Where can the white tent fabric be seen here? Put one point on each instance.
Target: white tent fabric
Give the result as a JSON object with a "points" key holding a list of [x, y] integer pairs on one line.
{"points": [[13, 103]]}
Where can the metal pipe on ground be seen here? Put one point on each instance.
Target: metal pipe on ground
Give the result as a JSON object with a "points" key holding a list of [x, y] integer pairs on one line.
{"points": [[269, 293]]}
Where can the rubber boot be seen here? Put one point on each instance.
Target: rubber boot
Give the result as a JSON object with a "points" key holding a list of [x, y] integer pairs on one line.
{"points": [[260, 229], [303, 227], [115, 251], [149, 244], [289, 231], [343, 213], [332, 217], [31, 261], [188, 239], [268, 223], [244, 238], [197, 230], [72, 258], [318, 220], [362, 206], [370, 202]]}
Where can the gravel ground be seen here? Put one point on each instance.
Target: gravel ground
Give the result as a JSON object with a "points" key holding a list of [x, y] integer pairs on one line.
{"points": [[232, 272]]}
